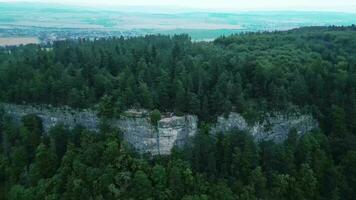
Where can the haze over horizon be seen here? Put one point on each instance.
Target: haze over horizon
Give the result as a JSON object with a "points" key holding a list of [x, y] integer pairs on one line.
{"points": [[37, 19], [222, 5]]}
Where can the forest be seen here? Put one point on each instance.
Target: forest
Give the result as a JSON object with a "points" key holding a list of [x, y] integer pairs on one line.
{"points": [[310, 69]]}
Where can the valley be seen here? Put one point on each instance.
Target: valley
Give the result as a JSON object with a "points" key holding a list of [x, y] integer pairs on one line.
{"points": [[51, 22]]}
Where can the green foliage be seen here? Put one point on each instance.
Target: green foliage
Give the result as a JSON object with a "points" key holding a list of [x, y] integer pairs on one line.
{"points": [[32, 133], [229, 166], [106, 107], [349, 169], [155, 116], [145, 97], [249, 73], [312, 69], [44, 165], [33, 123], [141, 186], [19, 192]]}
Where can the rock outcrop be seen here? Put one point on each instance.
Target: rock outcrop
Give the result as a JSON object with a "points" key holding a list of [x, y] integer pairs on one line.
{"points": [[135, 124], [51, 116], [170, 131], [275, 127]]}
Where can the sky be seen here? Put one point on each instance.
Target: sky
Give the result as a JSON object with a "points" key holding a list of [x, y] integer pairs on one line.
{"points": [[315, 5]]}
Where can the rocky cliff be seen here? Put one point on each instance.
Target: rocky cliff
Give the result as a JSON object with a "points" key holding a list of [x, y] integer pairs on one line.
{"points": [[135, 124], [51, 116], [275, 126], [170, 131]]}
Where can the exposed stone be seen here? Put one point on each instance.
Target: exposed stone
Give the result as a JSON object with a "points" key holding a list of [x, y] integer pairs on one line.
{"points": [[135, 124], [170, 131], [51, 116], [176, 131], [275, 127], [233, 121]]}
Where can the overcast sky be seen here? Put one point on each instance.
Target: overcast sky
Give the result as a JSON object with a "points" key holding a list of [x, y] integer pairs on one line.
{"points": [[331, 5]]}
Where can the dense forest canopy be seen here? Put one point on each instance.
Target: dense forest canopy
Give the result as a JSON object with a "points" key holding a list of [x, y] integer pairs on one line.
{"points": [[310, 69]]}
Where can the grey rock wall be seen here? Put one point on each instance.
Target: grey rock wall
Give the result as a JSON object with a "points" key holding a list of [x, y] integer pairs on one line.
{"points": [[171, 131], [136, 126], [51, 116], [275, 127]]}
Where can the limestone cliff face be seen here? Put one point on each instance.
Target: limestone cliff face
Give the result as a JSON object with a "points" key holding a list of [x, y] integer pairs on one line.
{"points": [[51, 116], [171, 131], [275, 127], [136, 126]]}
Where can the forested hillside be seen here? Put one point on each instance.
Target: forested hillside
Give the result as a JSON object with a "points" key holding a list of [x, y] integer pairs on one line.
{"points": [[310, 70]]}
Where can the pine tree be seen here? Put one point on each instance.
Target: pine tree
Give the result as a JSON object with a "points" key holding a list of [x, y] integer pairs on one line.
{"points": [[45, 163], [141, 186]]}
